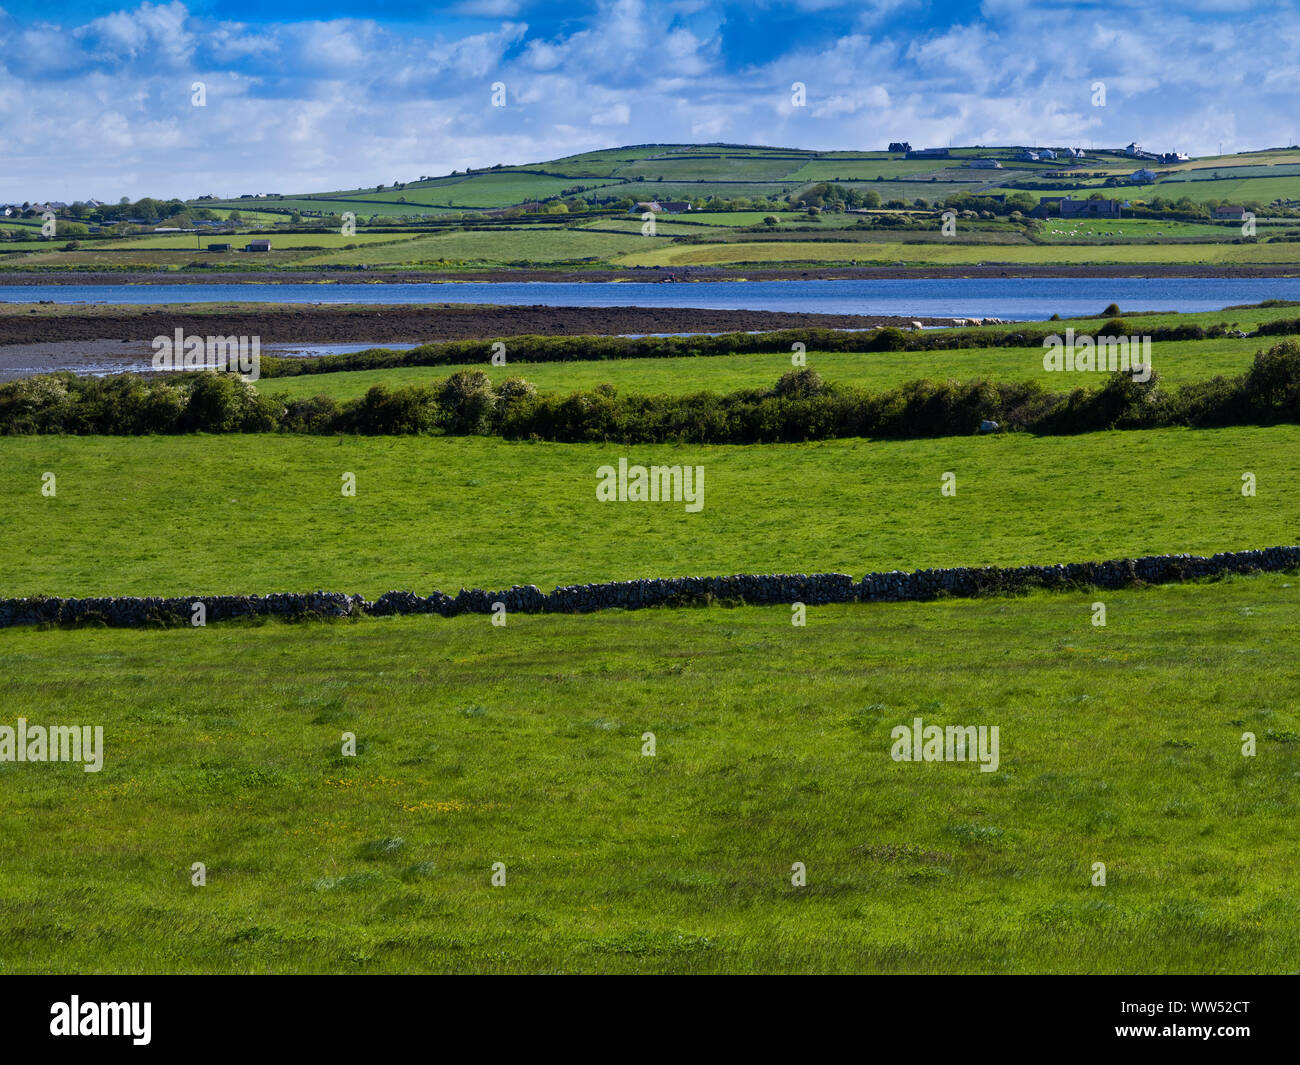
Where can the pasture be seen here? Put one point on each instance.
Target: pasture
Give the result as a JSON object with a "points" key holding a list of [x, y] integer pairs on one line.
{"points": [[198, 514], [523, 746]]}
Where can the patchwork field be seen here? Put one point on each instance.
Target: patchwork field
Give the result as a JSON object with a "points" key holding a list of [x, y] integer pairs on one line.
{"points": [[574, 210], [478, 745]]}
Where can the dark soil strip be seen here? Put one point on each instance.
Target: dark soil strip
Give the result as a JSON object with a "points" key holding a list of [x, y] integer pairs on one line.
{"points": [[295, 323]]}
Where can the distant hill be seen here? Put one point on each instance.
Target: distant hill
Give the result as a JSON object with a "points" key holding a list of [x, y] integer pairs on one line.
{"points": [[699, 171]]}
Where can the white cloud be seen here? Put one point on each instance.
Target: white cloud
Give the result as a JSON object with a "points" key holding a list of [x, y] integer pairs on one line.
{"points": [[618, 115], [333, 103]]}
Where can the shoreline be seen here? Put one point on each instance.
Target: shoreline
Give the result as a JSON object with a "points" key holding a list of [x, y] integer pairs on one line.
{"points": [[652, 275], [97, 337]]}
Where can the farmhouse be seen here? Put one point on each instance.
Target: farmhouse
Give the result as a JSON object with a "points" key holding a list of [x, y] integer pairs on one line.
{"points": [[928, 153], [258, 245], [1143, 176], [1071, 208], [675, 206], [899, 146], [1027, 156], [1234, 213], [1065, 207], [1047, 153]]}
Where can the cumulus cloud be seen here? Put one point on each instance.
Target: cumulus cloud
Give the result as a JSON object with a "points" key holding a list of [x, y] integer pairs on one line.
{"points": [[102, 106]]}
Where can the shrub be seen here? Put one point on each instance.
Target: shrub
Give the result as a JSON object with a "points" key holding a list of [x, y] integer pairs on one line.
{"points": [[468, 402], [382, 412], [800, 383], [1272, 384]]}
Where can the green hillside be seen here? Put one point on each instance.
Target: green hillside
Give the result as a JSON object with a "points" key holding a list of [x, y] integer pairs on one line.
{"points": [[729, 206], [700, 171]]}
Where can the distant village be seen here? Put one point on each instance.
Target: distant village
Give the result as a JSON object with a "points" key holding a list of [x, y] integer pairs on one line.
{"points": [[1067, 206]]}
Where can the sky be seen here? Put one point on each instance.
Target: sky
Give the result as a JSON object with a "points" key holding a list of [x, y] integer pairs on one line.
{"points": [[98, 99]]}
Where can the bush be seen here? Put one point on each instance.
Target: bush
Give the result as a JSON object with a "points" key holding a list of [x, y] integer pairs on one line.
{"points": [[468, 402], [800, 383], [382, 412], [1272, 384], [319, 414]]}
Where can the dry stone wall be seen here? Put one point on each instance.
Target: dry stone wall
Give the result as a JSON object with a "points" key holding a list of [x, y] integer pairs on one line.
{"points": [[811, 589]]}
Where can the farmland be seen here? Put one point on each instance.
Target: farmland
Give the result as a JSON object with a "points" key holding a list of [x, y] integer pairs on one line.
{"points": [[141, 515], [777, 205], [1176, 362], [479, 745]]}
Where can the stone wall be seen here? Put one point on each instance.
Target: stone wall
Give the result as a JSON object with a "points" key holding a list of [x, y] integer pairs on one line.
{"points": [[811, 589]]}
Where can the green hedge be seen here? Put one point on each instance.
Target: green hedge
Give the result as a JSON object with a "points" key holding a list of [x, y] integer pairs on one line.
{"points": [[801, 406], [599, 348]]}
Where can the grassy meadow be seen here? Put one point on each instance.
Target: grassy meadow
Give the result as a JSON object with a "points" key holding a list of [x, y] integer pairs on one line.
{"points": [[479, 745], [1177, 362], [265, 513]]}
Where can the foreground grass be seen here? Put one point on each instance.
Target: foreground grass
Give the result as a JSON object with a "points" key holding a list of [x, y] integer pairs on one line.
{"points": [[265, 513], [522, 745]]}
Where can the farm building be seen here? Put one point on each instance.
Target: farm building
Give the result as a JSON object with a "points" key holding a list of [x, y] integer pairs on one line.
{"points": [[1090, 208], [928, 153], [1236, 214], [1027, 156], [219, 247], [1065, 207], [1143, 176], [258, 245], [899, 146]]}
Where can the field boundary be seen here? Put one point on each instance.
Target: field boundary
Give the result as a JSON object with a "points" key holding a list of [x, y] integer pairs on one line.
{"points": [[753, 589]]}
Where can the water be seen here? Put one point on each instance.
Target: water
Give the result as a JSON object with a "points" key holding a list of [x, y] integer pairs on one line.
{"points": [[1017, 298]]}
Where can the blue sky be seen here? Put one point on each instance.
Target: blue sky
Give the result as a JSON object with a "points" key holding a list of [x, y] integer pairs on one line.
{"points": [[96, 98]]}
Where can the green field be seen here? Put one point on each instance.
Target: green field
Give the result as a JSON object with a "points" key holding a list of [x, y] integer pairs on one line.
{"points": [[1177, 362], [1071, 229], [191, 241], [887, 253], [496, 246], [479, 745], [264, 513]]}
